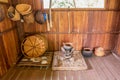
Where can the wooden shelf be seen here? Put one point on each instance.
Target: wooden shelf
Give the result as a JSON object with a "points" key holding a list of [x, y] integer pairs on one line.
{"points": [[28, 62]]}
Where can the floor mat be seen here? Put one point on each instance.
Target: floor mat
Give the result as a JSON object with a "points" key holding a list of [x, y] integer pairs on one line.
{"points": [[76, 62]]}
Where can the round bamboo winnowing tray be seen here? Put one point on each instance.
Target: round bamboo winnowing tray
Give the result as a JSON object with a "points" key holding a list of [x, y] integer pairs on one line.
{"points": [[34, 46]]}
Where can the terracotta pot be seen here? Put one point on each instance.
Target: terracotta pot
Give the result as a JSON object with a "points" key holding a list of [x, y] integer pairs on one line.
{"points": [[99, 51]]}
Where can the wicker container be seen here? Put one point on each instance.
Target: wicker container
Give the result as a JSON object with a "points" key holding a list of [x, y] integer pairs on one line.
{"points": [[87, 52], [34, 46], [24, 9], [13, 14], [29, 18]]}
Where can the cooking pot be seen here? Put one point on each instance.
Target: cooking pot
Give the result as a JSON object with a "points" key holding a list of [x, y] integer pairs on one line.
{"points": [[87, 52]]}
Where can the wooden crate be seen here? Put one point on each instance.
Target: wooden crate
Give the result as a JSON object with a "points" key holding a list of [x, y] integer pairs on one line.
{"points": [[28, 62]]}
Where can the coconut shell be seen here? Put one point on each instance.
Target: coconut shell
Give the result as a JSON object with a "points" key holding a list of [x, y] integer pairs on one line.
{"points": [[39, 17]]}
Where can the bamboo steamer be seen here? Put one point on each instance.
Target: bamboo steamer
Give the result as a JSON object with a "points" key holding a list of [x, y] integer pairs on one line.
{"points": [[34, 46]]}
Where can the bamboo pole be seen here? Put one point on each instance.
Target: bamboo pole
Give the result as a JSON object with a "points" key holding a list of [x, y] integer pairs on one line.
{"points": [[50, 17]]}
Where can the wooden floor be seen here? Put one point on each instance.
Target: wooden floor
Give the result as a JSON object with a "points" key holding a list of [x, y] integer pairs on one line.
{"points": [[100, 68]]}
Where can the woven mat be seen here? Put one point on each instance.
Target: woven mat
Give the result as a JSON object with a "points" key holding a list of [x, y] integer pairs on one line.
{"points": [[77, 62]]}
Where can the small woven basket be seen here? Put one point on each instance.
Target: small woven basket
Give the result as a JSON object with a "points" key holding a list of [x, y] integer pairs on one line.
{"points": [[24, 9], [29, 18], [34, 46], [13, 14]]}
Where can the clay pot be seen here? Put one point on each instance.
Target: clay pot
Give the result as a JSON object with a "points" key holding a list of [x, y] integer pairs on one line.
{"points": [[87, 52], [67, 46], [67, 49], [99, 51]]}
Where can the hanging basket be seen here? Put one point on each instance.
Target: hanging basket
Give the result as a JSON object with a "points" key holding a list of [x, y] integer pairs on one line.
{"points": [[13, 14], [24, 9], [34, 46], [29, 18]]}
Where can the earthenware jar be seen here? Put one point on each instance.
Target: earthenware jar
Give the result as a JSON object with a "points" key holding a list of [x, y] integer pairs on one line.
{"points": [[87, 52]]}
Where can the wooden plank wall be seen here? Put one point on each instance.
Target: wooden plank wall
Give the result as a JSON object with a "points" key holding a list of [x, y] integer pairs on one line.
{"points": [[117, 48], [8, 43], [88, 28]]}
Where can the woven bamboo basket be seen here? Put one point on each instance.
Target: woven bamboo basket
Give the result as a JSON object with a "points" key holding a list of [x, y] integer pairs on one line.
{"points": [[24, 9], [13, 14], [34, 46], [29, 18]]}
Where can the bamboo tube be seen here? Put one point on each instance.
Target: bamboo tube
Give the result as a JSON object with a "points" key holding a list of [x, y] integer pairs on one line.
{"points": [[68, 21], [48, 25], [50, 17]]}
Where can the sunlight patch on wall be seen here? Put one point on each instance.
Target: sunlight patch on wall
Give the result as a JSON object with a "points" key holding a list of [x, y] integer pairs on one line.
{"points": [[74, 3]]}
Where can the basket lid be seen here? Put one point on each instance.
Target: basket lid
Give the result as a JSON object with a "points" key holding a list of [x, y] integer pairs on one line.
{"points": [[34, 46]]}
